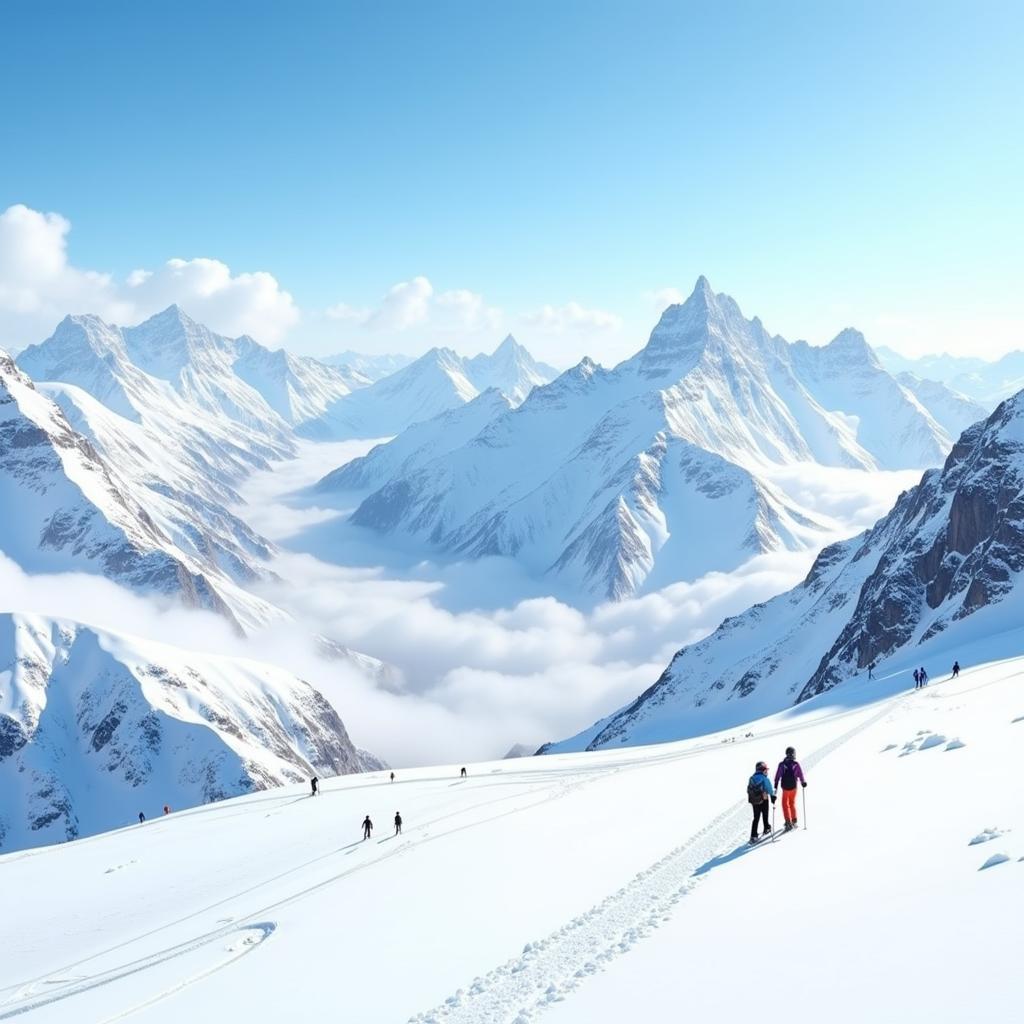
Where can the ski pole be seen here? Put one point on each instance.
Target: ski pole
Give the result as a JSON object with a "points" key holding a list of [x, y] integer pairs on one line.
{"points": [[805, 807], [773, 821]]}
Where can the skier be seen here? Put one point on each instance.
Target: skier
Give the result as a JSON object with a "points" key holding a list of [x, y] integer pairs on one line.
{"points": [[142, 817], [789, 772], [392, 776], [167, 809], [956, 669], [398, 824], [462, 774], [367, 827], [871, 671], [924, 677], [759, 789], [313, 786], [917, 679]]}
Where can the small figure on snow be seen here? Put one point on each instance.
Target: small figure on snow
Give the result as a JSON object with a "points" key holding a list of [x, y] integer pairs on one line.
{"points": [[871, 671], [392, 776], [167, 808], [759, 791], [142, 817], [924, 676], [398, 824], [956, 669], [314, 786], [917, 679], [789, 773], [367, 827], [462, 774]]}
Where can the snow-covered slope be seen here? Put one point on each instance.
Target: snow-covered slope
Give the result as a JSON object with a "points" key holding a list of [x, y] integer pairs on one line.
{"points": [[65, 509], [953, 411], [95, 727], [440, 380], [985, 382], [370, 367], [605, 887], [941, 569], [613, 480], [418, 445], [511, 369]]}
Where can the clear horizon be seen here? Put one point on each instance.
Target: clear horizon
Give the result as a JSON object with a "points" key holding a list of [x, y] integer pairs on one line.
{"points": [[390, 180]]}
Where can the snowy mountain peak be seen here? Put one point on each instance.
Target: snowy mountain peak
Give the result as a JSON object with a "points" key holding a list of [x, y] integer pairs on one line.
{"points": [[853, 345]]}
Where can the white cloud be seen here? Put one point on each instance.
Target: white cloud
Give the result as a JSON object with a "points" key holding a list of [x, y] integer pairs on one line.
{"points": [[39, 286], [572, 317], [248, 303]]}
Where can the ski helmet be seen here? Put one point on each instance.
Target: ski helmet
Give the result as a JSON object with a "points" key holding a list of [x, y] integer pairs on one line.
{"points": [[790, 752], [760, 767]]}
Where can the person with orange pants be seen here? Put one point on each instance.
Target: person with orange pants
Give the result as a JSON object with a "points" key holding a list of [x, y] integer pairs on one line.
{"points": [[788, 774]]}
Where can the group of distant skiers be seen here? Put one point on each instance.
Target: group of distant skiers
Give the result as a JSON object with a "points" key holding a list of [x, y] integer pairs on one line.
{"points": [[142, 816], [760, 791], [920, 676], [314, 790]]}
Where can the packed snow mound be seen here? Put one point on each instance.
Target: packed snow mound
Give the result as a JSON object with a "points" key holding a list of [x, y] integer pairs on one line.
{"points": [[439, 381], [66, 510], [940, 570], [593, 897], [613, 481], [96, 727]]}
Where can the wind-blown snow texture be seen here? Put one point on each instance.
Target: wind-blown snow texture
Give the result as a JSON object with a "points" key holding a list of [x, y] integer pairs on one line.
{"points": [[95, 727], [943, 567], [610, 481]]}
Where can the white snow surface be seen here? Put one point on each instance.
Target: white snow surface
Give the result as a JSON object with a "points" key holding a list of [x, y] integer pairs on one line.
{"points": [[609, 482], [606, 886], [96, 726], [439, 381]]}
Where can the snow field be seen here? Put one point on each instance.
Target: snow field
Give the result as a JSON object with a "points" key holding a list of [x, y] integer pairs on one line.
{"points": [[517, 892]]}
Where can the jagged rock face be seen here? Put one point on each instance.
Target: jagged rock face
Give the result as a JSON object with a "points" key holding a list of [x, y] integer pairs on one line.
{"points": [[602, 479], [951, 548], [95, 727], [958, 544]]}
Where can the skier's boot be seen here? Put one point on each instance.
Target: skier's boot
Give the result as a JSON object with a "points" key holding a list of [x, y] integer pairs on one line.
{"points": [[753, 841]]}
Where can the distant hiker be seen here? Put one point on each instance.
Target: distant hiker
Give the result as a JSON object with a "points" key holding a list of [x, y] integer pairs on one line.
{"points": [[871, 671], [398, 824], [142, 817], [917, 679], [956, 669], [924, 677], [314, 786], [392, 776], [789, 773], [463, 773], [367, 827], [167, 809], [759, 791]]}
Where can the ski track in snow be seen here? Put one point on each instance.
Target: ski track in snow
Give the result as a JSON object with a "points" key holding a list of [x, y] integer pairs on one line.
{"points": [[32, 994], [545, 972], [551, 968]]}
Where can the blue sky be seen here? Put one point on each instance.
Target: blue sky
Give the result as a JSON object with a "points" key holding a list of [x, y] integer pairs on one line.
{"points": [[549, 168]]}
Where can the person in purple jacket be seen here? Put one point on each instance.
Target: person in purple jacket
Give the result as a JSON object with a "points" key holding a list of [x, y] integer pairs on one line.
{"points": [[788, 774]]}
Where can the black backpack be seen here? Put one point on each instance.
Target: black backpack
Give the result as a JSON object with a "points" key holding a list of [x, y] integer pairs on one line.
{"points": [[788, 774], [755, 792]]}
